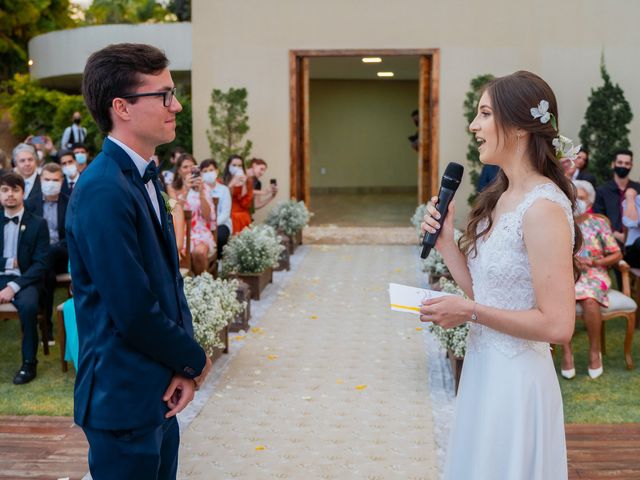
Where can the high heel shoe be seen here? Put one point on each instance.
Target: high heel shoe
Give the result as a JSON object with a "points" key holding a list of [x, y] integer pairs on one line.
{"points": [[568, 374], [596, 372]]}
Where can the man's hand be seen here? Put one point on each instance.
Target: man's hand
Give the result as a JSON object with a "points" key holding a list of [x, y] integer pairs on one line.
{"points": [[630, 193], [205, 371], [6, 294], [178, 395]]}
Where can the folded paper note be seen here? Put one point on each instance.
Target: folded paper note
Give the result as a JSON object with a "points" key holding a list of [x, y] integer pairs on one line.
{"points": [[409, 299]]}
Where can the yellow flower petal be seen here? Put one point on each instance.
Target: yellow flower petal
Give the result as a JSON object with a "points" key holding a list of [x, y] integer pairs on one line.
{"points": [[339, 381], [360, 387], [272, 357], [260, 448], [238, 337], [418, 329], [314, 317]]}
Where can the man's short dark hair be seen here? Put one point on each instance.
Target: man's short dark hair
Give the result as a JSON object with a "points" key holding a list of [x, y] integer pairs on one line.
{"points": [[12, 180], [622, 151], [177, 150], [584, 150], [114, 71], [208, 163], [257, 161]]}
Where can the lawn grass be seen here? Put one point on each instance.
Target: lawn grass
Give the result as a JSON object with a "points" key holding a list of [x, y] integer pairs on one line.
{"points": [[612, 398], [50, 393]]}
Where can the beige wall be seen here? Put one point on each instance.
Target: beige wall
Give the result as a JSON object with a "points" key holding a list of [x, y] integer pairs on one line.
{"points": [[359, 131], [246, 44]]}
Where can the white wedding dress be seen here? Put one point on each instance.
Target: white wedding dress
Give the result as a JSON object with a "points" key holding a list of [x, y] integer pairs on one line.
{"points": [[509, 423]]}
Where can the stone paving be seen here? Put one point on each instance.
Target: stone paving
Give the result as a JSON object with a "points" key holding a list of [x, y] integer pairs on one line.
{"points": [[330, 384]]}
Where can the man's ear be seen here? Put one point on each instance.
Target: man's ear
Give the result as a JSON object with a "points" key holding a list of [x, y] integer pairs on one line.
{"points": [[120, 109]]}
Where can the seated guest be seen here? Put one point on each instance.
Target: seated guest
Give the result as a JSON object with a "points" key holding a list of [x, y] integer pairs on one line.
{"points": [[26, 162], [209, 169], [599, 251], [25, 252], [82, 156], [241, 189], [52, 206], [582, 163], [261, 196], [194, 195], [609, 195], [630, 209], [70, 171]]}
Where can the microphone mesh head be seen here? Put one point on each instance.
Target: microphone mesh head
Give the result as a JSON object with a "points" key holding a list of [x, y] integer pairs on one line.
{"points": [[452, 176]]}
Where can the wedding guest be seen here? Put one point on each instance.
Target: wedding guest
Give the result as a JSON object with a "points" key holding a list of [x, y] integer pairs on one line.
{"points": [[73, 134], [45, 149], [599, 252], [70, 170], [25, 249], [26, 162], [630, 219], [5, 164], [610, 195], [52, 206], [82, 156], [194, 195], [167, 175], [582, 164], [241, 187], [138, 363], [219, 190], [569, 168], [261, 196]]}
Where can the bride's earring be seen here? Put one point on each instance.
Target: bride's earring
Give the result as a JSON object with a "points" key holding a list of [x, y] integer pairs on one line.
{"points": [[518, 144]]}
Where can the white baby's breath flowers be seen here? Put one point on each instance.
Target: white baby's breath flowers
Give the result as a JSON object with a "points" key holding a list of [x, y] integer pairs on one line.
{"points": [[288, 217], [253, 250]]}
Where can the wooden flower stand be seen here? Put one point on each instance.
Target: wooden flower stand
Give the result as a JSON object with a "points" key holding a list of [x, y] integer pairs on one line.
{"points": [[284, 262], [256, 281], [295, 241], [241, 322], [224, 337], [456, 367]]}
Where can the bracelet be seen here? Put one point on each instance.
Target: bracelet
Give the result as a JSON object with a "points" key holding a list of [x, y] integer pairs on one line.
{"points": [[474, 315]]}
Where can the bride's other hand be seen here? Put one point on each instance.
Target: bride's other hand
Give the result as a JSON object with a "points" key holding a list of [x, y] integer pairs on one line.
{"points": [[431, 222], [447, 312]]}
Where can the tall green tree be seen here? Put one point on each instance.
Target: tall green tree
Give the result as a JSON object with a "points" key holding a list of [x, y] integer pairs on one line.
{"points": [[229, 124], [102, 12], [181, 9], [605, 127], [20, 21], [470, 108]]}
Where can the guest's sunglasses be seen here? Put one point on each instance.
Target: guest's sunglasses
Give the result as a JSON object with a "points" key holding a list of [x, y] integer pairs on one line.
{"points": [[167, 96]]}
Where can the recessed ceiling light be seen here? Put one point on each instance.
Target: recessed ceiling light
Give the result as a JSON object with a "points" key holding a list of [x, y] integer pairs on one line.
{"points": [[371, 60], [385, 74]]}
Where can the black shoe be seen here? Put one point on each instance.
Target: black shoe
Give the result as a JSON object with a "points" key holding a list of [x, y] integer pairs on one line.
{"points": [[26, 373]]}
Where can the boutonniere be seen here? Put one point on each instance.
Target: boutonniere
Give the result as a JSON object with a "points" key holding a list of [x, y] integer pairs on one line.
{"points": [[169, 203], [22, 228]]}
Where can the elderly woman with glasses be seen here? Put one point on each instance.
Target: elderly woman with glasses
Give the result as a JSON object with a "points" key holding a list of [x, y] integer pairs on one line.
{"points": [[599, 251]]}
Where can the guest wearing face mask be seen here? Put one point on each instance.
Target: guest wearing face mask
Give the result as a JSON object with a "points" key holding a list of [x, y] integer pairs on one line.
{"points": [[599, 252], [241, 188], [82, 157], [52, 206], [610, 195], [26, 162], [631, 220], [73, 134], [70, 171], [209, 169]]}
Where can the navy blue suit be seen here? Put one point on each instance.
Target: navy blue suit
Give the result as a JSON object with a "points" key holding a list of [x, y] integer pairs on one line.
{"points": [[134, 326]]}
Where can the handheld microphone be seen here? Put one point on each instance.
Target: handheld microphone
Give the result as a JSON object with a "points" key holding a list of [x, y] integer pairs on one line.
{"points": [[448, 186]]}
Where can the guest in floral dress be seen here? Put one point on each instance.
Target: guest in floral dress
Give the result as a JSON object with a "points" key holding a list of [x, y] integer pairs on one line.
{"points": [[599, 251], [241, 187], [194, 195]]}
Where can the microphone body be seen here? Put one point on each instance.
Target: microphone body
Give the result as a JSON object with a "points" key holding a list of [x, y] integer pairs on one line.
{"points": [[448, 186]]}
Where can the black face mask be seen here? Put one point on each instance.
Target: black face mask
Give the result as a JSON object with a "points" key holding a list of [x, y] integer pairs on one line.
{"points": [[77, 121], [622, 172]]}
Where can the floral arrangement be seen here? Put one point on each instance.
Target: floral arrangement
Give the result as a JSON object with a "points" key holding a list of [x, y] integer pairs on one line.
{"points": [[452, 339], [253, 250], [564, 146], [416, 219], [213, 305], [288, 217]]}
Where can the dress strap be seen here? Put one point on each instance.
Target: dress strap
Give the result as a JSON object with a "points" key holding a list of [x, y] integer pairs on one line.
{"points": [[547, 191]]}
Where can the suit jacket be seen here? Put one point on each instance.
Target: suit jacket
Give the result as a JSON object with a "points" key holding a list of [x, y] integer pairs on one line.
{"points": [[36, 190], [609, 202], [66, 189], [588, 176], [35, 204], [134, 326], [33, 250]]}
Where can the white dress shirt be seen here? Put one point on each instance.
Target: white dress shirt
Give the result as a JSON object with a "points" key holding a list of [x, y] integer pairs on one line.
{"points": [[10, 250], [28, 184], [141, 165], [222, 193]]}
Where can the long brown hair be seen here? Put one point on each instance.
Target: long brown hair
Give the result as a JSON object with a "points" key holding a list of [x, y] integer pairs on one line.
{"points": [[512, 98], [177, 183]]}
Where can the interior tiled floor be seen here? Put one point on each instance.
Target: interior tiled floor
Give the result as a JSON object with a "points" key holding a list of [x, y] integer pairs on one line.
{"points": [[363, 209]]}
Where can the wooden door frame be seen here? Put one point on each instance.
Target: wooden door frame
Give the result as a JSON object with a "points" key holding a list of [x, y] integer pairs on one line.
{"points": [[428, 107]]}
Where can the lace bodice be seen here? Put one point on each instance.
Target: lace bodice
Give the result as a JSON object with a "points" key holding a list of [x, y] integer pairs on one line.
{"points": [[501, 273]]}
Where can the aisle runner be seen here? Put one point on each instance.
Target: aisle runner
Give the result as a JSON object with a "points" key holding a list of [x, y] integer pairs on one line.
{"points": [[330, 385]]}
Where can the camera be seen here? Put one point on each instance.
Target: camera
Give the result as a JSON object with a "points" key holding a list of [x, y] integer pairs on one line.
{"points": [[195, 171], [273, 182]]}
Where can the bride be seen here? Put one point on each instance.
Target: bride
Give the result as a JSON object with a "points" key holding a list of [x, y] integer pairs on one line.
{"points": [[515, 263]]}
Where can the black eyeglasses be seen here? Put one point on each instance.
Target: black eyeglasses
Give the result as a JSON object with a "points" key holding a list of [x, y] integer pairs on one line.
{"points": [[167, 96]]}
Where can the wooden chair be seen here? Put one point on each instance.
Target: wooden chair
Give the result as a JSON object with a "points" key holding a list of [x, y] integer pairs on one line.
{"points": [[9, 312], [634, 274], [63, 280], [213, 260]]}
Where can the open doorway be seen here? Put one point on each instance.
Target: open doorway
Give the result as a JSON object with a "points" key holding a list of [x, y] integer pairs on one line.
{"points": [[351, 158]]}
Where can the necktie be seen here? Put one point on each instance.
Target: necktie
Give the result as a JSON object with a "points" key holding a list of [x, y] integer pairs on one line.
{"points": [[71, 186], [15, 220], [150, 173]]}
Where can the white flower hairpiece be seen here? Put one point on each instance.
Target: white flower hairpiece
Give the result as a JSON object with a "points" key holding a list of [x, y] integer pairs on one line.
{"points": [[565, 148], [542, 112]]}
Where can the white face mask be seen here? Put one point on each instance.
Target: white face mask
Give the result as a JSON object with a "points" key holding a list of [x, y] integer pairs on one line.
{"points": [[209, 177], [70, 171], [51, 187], [581, 207], [235, 170]]}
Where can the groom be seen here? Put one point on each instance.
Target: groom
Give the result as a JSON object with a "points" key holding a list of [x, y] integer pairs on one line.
{"points": [[138, 363]]}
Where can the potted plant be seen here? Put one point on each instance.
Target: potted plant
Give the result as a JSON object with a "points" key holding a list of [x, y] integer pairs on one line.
{"points": [[289, 218], [454, 340], [213, 305], [251, 256]]}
